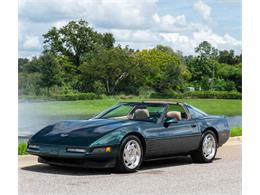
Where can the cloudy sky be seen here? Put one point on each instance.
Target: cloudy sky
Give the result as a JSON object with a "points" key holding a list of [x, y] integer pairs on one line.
{"points": [[181, 24]]}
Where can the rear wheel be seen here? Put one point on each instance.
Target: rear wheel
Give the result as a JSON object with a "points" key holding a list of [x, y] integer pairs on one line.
{"points": [[130, 154], [207, 150]]}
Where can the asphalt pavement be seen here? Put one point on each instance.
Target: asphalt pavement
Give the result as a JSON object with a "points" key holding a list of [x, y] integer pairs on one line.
{"points": [[169, 176]]}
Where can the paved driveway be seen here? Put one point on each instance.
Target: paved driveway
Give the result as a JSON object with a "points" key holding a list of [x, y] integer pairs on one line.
{"points": [[171, 176]]}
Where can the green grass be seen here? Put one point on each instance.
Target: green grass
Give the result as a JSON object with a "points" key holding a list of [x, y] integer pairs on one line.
{"points": [[22, 148], [217, 106], [92, 107], [236, 131]]}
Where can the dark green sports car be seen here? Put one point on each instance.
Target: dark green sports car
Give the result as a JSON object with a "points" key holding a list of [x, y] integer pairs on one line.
{"points": [[128, 133]]}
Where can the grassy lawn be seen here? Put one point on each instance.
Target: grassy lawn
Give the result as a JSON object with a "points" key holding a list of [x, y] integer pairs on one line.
{"points": [[91, 107], [236, 131], [22, 148]]}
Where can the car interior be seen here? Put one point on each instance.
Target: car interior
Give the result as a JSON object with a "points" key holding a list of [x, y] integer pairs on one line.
{"points": [[177, 112], [151, 113]]}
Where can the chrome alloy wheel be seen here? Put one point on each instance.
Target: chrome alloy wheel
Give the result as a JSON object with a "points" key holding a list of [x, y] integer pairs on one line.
{"points": [[209, 146], [132, 154]]}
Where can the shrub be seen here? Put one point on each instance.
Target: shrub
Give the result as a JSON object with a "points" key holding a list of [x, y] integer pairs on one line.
{"points": [[214, 94], [173, 95], [199, 94], [22, 148], [64, 97], [77, 96], [99, 87], [236, 131]]}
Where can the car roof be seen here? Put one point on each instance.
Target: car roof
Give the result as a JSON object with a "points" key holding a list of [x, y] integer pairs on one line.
{"points": [[154, 102]]}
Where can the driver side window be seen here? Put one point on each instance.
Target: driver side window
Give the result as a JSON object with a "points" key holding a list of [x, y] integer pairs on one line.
{"points": [[194, 113], [176, 111]]}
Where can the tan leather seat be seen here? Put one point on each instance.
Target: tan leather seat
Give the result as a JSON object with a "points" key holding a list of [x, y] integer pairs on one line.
{"points": [[174, 114], [141, 114]]}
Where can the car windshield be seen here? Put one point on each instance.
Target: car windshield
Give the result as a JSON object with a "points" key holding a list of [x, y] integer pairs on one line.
{"points": [[132, 111]]}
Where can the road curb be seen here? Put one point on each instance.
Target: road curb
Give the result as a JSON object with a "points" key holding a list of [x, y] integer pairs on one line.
{"points": [[234, 140], [237, 138], [27, 160]]}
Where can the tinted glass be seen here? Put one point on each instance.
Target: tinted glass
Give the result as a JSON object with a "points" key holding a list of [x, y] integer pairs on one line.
{"points": [[141, 112], [195, 112]]}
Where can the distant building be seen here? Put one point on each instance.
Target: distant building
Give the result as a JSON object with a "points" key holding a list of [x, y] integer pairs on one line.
{"points": [[187, 89]]}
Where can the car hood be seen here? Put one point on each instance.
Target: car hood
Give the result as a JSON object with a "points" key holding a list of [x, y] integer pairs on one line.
{"points": [[77, 132]]}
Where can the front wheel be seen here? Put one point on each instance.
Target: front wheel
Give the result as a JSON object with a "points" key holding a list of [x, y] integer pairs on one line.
{"points": [[207, 150], [130, 155]]}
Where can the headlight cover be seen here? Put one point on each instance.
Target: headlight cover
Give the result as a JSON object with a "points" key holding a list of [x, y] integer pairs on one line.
{"points": [[34, 146]]}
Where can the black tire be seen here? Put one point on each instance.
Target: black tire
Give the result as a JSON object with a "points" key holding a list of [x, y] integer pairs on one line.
{"points": [[198, 156], [120, 164]]}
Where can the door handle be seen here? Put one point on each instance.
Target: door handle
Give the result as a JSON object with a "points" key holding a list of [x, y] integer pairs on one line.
{"points": [[193, 125]]}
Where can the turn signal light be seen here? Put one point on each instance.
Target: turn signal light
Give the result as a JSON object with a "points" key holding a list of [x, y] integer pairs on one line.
{"points": [[108, 149]]}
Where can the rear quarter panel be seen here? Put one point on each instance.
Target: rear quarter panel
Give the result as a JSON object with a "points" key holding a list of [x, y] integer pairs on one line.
{"points": [[219, 123]]}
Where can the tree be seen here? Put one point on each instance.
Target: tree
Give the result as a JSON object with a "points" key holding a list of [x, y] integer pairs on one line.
{"points": [[21, 63], [75, 39], [29, 83], [108, 40], [165, 49], [201, 71], [50, 71], [206, 50], [68, 73], [202, 67], [109, 66], [163, 70], [231, 74], [32, 66], [229, 57]]}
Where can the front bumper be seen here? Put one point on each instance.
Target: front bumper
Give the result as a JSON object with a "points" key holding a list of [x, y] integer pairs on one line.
{"points": [[57, 155]]}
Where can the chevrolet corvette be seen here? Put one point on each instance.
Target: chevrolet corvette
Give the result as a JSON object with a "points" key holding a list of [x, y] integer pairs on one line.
{"points": [[129, 133]]}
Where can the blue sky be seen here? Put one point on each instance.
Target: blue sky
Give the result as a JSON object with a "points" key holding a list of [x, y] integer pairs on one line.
{"points": [[180, 24]]}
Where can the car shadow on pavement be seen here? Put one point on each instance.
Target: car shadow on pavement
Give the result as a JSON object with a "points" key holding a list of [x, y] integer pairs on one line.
{"points": [[168, 162], [146, 165], [74, 171]]}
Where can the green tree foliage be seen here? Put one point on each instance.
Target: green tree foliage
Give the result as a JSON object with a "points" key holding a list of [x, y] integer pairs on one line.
{"points": [[75, 39], [228, 57], [77, 59], [108, 66], [232, 76], [207, 73], [29, 83], [50, 71], [163, 69], [205, 50], [32, 66], [21, 63]]}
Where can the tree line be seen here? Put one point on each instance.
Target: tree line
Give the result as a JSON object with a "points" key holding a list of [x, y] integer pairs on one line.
{"points": [[76, 58]]}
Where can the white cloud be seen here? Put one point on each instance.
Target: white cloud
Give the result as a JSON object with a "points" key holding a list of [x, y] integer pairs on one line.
{"points": [[188, 43], [140, 36], [31, 42], [137, 23], [104, 13], [169, 23], [203, 9]]}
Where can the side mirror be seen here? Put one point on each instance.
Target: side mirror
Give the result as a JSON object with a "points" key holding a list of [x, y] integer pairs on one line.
{"points": [[168, 121]]}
